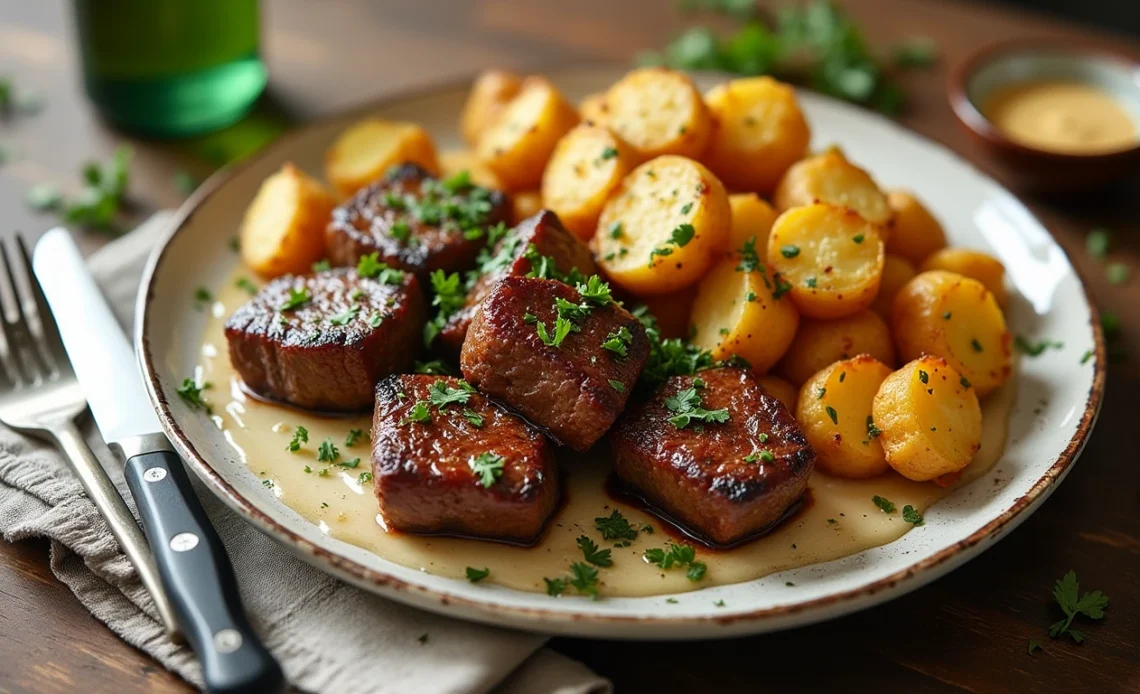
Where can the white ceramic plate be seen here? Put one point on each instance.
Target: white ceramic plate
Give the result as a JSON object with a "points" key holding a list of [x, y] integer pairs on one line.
{"points": [[1057, 399]]}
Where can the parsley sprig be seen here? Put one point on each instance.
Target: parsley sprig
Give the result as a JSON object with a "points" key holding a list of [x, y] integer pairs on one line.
{"points": [[615, 527], [488, 466], [1067, 593], [191, 394], [680, 556], [687, 408], [597, 557]]}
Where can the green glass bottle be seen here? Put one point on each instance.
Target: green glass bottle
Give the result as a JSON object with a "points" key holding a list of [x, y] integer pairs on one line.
{"points": [[170, 68]]}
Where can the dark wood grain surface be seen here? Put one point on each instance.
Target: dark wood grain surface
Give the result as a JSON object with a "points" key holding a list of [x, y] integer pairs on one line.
{"points": [[965, 632]]}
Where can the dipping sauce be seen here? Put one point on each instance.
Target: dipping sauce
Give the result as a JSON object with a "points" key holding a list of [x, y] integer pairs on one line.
{"points": [[1063, 117]]}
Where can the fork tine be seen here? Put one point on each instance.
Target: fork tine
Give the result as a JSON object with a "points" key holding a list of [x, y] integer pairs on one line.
{"points": [[51, 343], [20, 339]]}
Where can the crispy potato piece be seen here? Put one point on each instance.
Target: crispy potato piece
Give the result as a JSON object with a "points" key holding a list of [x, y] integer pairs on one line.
{"points": [[517, 145], [587, 166], [897, 271], [735, 314], [980, 266], [664, 227], [958, 319], [672, 311], [284, 227], [594, 109], [489, 94], [819, 344], [831, 257], [760, 132], [830, 178], [915, 233], [366, 151], [752, 218], [930, 423], [525, 204], [659, 111], [834, 411], [780, 389], [453, 161]]}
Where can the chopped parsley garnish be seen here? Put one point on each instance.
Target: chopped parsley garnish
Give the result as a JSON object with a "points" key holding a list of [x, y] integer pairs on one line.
{"points": [[749, 258], [619, 341], [750, 297], [790, 251], [327, 453], [418, 413], [873, 432], [473, 418], [562, 328], [203, 296], [475, 575], [584, 578], [752, 457], [810, 283], [976, 345], [369, 267], [608, 153], [910, 515], [668, 357], [677, 555], [664, 251], [615, 230], [597, 557], [615, 527], [375, 319], [350, 464], [686, 208], [423, 638], [321, 265], [820, 392], [488, 466], [1033, 646], [191, 394], [946, 316], [450, 296], [686, 408], [247, 285], [1086, 356], [345, 316], [595, 291], [858, 238], [400, 231], [300, 436], [682, 235], [1091, 605], [767, 456], [1097, 243], [434, 367], [1034, 349], [782, 287], [617, 385], [1117, 273], [441, 394], [923, 376], [832, 414], [297, 298], [555, 586], [885, 505], [352, 438], [964, 382]]}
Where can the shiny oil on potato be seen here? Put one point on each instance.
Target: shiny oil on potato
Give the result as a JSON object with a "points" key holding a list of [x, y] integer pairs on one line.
{"points": [[820, 343], [830, 178], [830, 259], [659, 111], [517, 145], [587, 166]]}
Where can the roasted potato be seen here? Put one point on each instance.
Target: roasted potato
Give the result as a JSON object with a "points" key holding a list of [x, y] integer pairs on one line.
{"points": [[587, 166], [819, 344], [760, 132], [672, 311], [956, 318], [593, 109], [752, 218], [490, 93], [517, 145], [830, 178], [780, 389], [897, 271], [980, 266], [915, 233], [659, 111], [735, 314], [834, 410], [929, 421], [829, 259], [664, 227], [525, 204], [284, 227], [366, 151], [453, 161]]}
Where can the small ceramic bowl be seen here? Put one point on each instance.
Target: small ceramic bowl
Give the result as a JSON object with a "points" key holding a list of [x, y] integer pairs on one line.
{"points": [[972, 84]]}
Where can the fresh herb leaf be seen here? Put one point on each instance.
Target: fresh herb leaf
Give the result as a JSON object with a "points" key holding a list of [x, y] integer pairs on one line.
{"points": [[327, 452], [488, 466], [353, 437], [832, 414], [434, 367], [44, 197], [595, 291], [1067, 594], [615, 230], [617, 385], [1097, 243], [884, 504], [608, 153], [369, 267], [910, 515], [584, 578], [247, 285], [562, 328], [873, 432], [923, 376], [1117, 273], [321, 265], [615, 527], [419, 412], [1037, 348], [597, 557], [300, 436], [687, 408], [345, 316], [918, 51], [555, 586], [191, 394], [749, 258], [473, 418], [297, 298], [441, 394], [1033, 647], [682, 235], [619, 341], [790, 251], [475, 575], [677, 555]]}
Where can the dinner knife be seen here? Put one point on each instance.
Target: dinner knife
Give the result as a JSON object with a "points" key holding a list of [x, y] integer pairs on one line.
{"points": [[193, 565]]}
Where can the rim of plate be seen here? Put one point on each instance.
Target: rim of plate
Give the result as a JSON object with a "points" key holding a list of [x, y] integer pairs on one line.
{"points": [[537, 619]]}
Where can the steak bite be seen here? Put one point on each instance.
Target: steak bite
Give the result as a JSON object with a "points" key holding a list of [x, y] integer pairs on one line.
{"points": [[716, 453], [446, 460], [540, 241], [564, 358], [322, 341], [415, 222]]}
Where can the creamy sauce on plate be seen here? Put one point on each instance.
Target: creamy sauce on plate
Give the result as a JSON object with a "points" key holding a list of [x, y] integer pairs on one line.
{"points": [[1066, 117], [837, 520]]}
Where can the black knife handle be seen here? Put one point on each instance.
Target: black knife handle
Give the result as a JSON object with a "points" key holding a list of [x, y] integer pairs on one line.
{"points": [[199, 578]]}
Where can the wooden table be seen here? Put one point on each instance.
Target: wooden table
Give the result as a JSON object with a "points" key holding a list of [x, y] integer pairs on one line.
{"points": [[967, 631]]}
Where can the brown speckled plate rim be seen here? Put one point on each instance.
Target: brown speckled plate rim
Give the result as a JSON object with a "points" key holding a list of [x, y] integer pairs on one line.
{"points": [[559, 621]]}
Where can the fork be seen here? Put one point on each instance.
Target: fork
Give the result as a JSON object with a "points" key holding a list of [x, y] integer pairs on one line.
{"points": [[40, 395]]}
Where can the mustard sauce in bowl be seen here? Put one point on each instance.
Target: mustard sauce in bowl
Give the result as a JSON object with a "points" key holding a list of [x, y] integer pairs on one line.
{"points": [[1061, 116]]}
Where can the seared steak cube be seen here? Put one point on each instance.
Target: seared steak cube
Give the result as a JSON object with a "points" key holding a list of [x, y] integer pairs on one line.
{"points": [[565, 358], [322, 341], [726, 475], [540, 239], [415, 222], [446, 460]]}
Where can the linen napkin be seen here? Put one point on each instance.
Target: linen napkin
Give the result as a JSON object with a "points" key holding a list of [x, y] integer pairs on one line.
{"points": [[327, 635]]}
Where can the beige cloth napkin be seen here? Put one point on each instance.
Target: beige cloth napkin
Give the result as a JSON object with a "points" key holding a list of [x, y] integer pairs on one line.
{"points": [[329, 636]]}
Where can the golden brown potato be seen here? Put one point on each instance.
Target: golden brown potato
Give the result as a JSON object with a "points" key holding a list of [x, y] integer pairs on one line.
{"points": [[834, 410], [587, 166], [284, 227], [525, 204], [593, 109], [490, 93], [735, 314], [830, 259], [752, 218], [664, 227], [897, 271], [819, 344], [780, 389], [956, 318], [760, 132], [672, 311], [930, 424], [915, 233], [659, 111], [980, 266], [453, 161], [366, 151], [517, 145], [830, 178]]}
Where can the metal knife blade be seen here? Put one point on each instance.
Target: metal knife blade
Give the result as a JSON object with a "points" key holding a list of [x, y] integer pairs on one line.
{"points": [[102, 357]]}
